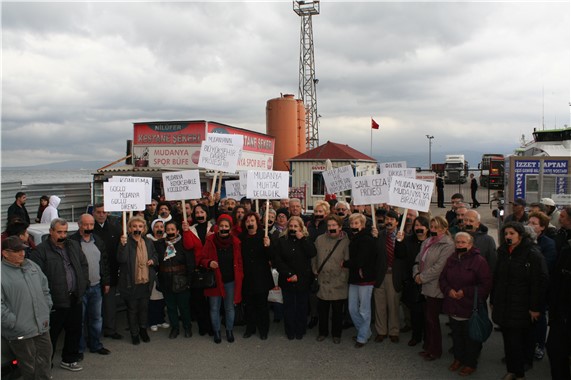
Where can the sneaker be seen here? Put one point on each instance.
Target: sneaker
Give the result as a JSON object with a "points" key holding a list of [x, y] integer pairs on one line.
{"points": [[165, 325], [154, 328], [74, 367], [539, 353]]}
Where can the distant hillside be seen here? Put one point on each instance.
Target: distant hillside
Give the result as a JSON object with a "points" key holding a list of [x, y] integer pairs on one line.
{"points": [[65, 165]]}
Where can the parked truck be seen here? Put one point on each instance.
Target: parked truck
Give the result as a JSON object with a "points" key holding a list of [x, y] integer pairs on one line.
{"points": [[492, 171], [456, 169]]}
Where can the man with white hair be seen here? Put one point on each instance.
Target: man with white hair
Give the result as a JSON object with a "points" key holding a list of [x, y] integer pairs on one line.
{"points": [[484, 242]]}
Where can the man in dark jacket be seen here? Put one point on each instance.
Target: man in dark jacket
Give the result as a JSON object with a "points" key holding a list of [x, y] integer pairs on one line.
{"points": [[110, 232], [484, 242], [18, 208], [388, 284], [94, 249], [559, 340], [65, 266]]}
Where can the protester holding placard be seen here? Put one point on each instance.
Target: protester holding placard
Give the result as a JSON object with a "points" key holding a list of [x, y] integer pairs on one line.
{"points": [[429, 264], [222, 253], [407, 248], [293, 261], [332, 250], [176, 264], [361, 264], [137, 257], [258, 279]]}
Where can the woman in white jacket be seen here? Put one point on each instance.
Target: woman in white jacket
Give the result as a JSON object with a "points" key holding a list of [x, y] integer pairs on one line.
{"points": [[50, 213]]}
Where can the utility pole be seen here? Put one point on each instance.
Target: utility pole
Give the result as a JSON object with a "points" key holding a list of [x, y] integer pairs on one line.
{"points": [[307, 80], [429, 151]]}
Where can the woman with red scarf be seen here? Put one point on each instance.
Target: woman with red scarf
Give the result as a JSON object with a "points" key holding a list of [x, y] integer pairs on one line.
{"points": [[222, 253]]}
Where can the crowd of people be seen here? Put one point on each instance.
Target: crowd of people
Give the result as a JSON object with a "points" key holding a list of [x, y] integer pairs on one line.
{"points": [[342, 266]]}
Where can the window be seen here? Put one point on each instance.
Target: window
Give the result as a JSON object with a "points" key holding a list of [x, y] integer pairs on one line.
{"points": [[317, 184]]}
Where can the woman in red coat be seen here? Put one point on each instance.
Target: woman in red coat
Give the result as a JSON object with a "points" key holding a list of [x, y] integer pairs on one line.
{"points": [[222, 253]]}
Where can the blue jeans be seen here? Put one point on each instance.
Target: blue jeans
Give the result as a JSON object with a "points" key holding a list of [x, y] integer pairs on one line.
{"points": [[360, 310], [92, 319], [216, 302]]}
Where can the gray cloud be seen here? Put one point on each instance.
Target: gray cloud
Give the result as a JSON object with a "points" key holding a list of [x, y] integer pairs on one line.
{"points": [[77, 75]]}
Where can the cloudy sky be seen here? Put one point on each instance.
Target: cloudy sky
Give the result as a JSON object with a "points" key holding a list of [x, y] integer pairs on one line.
{"points": [[477, 76]]}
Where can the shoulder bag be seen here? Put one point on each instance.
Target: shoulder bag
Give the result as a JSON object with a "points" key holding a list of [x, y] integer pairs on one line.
{"points": [[314, 287], [479, 325], [202, 278]]}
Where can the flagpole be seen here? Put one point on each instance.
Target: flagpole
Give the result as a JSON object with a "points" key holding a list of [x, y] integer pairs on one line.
{"points": [[371, 136]]}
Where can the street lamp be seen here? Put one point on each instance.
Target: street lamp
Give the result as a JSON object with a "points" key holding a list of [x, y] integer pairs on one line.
{"points": [[429, 151]]}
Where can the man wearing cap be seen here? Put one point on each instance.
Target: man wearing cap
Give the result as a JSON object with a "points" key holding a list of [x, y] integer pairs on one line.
{"points": [[18, 208], [65, 266], [25, 289], [519, 214], [96, 254], [552, 211]]}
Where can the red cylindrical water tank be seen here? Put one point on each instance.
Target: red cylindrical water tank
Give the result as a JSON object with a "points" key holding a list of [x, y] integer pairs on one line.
{"points": [[285, 121]]}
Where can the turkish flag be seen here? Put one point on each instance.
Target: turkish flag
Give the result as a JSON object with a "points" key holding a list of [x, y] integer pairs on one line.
{"points": [[374, 124]]}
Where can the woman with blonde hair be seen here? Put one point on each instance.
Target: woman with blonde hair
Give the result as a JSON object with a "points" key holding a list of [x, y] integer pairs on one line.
{"points": [[137, 257], [429, 263], [293, 261]]}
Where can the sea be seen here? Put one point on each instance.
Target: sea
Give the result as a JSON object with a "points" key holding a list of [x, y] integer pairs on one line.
{"points": [[35, 176]]}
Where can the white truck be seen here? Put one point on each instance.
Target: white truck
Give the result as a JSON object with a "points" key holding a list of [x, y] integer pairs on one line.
{"points": [[456, 169]]}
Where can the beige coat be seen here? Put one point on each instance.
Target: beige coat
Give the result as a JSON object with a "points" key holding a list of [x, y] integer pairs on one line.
{"points": [[333, 279], [434, 262]]}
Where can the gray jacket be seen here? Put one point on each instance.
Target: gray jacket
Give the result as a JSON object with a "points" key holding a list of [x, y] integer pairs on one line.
{"points": [[434, 262], [333, 279], [486, 245], [26, 301]]}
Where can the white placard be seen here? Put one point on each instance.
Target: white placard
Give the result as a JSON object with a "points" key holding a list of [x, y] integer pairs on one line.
{"points": [[125, 196], [394, 165], [338, 179], [369, 189], [146, 180], [267, 184], [182, 185], [219, 157], [226, 139], [561, 199], [399, 172], [429, 177], [233, 189], [243, 182], [410, 193]]}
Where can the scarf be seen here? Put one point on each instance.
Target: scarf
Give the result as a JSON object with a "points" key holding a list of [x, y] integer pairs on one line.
{"points": [[431, 241], [141, 268], [222, 243]]}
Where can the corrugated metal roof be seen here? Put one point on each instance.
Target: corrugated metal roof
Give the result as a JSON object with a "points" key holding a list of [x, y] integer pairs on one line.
{"points": [[332, 151]]}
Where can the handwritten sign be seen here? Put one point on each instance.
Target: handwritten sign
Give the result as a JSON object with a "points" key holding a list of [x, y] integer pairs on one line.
{"points": [[393, 165], [219, 157], [338, 179], [243, 182], [182, 185], [428, 177], [226, 139], [399, 172], [369, 189], [410, 193], [234, 190], [267, 184], [124, 196], [146, 180]]}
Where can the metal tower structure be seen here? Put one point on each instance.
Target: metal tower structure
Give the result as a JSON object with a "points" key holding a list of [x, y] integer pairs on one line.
{"points": [[307, 80]]}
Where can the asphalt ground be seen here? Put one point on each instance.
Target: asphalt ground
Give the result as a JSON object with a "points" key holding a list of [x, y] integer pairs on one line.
{"points": [[278, 358]]}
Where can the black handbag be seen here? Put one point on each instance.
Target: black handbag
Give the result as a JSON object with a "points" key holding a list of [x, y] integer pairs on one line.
{"points": [[479, 325], [202, 278], [314, 286]]}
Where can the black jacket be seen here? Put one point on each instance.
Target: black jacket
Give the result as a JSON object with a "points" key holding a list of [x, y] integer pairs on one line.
{"points": [[520, 284], [126, 257], [111, 235], [406, 251], [103, 264], [293, 257], [362, 258], [183, 263], [560, 284], [51, 263], [15, 211], [256, 264], [314, 231], [399, 265]]}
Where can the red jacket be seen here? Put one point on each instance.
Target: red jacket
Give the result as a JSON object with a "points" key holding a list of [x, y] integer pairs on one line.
{"points": [[191, 242], [208, 254]]}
